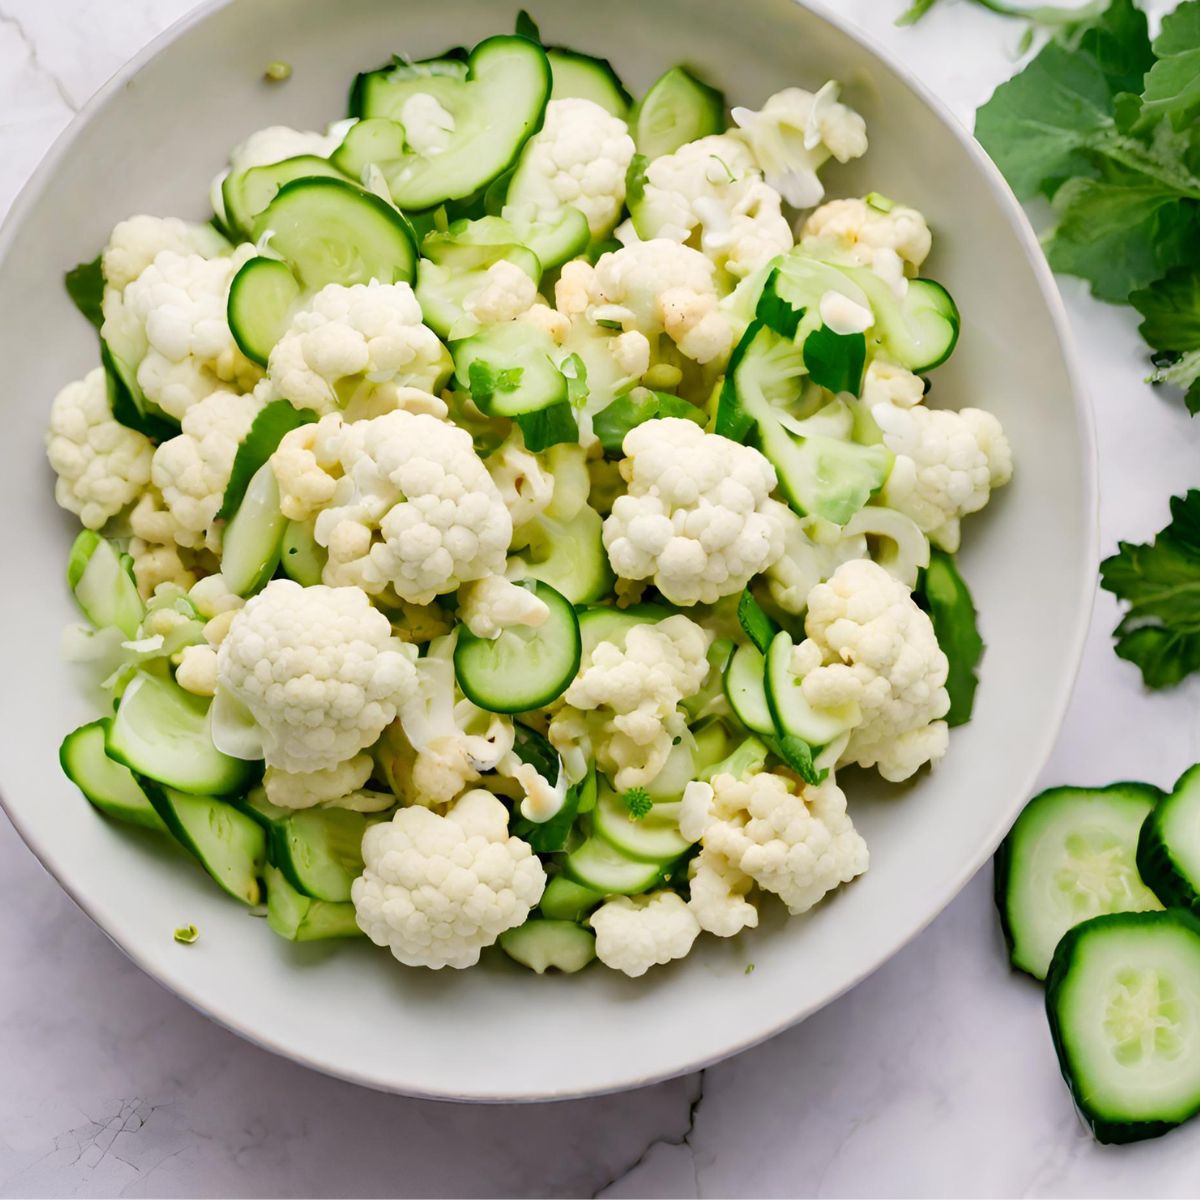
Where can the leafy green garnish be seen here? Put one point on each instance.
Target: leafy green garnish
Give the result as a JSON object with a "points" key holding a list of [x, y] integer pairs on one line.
{"points": [[548, 427], [758, 626], [952, 611], [638, 803], [836, 361], [574, 371], [1160, 582], [526, 27], [486, 380], [186, 934], [85, 286], [1173, 83], [1171, 322], [612, 423], [798, 755], [270, 426]]}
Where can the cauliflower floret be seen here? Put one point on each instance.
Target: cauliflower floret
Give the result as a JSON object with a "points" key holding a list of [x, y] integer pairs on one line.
{"points": [[638, 689], [437, 890], [795, 133], [355, 346], [947, 464], [101, 465], [798, 846], [710, 191], [635, 933], [197, 670], [156, 563], [135, 243], [892, 243], [276, 143], [697, 517], [318, 670], [579, 157], [427, 124], [342, 785], [192, 470], [886, 383], [542, 799], [503, 295], [653, 288], [489, 606], [524, 480], [211, 597], [170, 322], [718, 895], [869, 644]]}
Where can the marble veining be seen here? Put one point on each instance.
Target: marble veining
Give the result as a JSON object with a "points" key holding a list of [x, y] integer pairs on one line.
{"points": [[935, 1076]]}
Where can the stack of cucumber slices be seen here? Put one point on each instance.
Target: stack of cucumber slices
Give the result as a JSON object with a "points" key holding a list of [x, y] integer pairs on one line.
{"points": [[1099, 895]]}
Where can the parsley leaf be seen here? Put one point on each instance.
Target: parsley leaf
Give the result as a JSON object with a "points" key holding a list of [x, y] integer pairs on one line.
{"points": [[1173, 83], [1171, 324], [85, 286], [613, 422], [1160, 581], [948, 600]]}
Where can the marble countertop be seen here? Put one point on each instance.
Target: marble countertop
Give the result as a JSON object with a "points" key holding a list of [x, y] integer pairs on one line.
{"points": [[934, 1077]]}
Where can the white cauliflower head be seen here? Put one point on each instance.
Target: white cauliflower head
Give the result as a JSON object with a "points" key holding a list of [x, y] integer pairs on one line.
{"points": [[634, 692], [635, 933], [718, 895], [711, 192], [136, 242], [504, 293], [192, 470], [318, 670], [101, 465], [799, 846], [887, 383], [697, 517], [338, 786], [869, 644], [947, 464], [524, 479], [170, 323], [579, 157], [352, 347], [403, 502], [156, 563], [437, 890], [795, 134], [893, 242]]}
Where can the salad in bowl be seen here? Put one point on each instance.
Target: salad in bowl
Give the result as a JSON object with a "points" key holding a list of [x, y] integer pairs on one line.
{"points": [[505, 520]]}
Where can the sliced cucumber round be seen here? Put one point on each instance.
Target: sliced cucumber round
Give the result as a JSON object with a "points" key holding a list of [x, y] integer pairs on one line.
{"points": [[599, 865], [300, 556], [320, 851], [251, 543], [231, 846], [1168, 848], [655, 838], [566, 900], [543, 945], [161, 732], [554, 242], [746, 691], [381, 92], [495, 106], [106, 784], [677, 108], [1070, 856], [1123, 998], [793, 715], [262, 297], [527, 666], [605, 624], [570, 556], [103, 586], [330, 231], [581, 77], [247, 193], [919, 331], [509, 369], [300, 918]]}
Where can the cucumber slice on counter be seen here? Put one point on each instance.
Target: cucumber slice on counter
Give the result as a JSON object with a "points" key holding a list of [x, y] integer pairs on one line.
{"points": [[106, 784], [1168, 849]]}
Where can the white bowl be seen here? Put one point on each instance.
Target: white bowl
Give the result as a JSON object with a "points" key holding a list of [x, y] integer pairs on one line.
{"points": [[150, 143]]}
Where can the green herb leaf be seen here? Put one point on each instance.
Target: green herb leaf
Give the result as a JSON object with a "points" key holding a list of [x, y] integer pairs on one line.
{"points": [[127, 403], [526, 27], [574, 371], [486, 380], [268, 429], [758, 626], [1173, 83], [952, 611], [836, 360], [85, 286], [548, 427], [613, 422], [1160, 582], [1171, 324], [798, 755], [1119, 41]]}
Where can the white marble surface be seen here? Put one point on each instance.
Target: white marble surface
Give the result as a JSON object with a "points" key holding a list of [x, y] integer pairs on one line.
{"points": [[935, 1077]]}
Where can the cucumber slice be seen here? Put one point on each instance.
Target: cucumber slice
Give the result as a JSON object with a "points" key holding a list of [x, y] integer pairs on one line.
{"points": [[527, 666], [1070, 856], [509, 369], [161, 732], [231, 846], [655, 838], [248, 192], [330, 231], [581, 77], [301, 558], [566, 900], [252, 540], [569, 556], [1123, 998], [106, 784], [554, 242], [794, 716], [678, 108], [455, 268], [103, 586], [599, 865], [320, 851], [496, 105], [261, 299], [746, 692], [550, 946], [1168, 849], [272, 424], [918, 332], [300, 918], [604, 624], [373, 92]]}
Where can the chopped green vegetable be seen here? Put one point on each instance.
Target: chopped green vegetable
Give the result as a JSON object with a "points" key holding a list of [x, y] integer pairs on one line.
{"points": [[85, 286], [186, 934], [626, 412], [269, 428], [952, 612], [1160, 581]]}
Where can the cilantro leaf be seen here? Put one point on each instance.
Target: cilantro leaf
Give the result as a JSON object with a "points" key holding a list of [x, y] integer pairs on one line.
{"points": [[1171, 324], [574, 371], [85, 286], [1120, 43], [1160, 582], [1173, 83], [548, 427], [836, 360], [948, 600]]}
